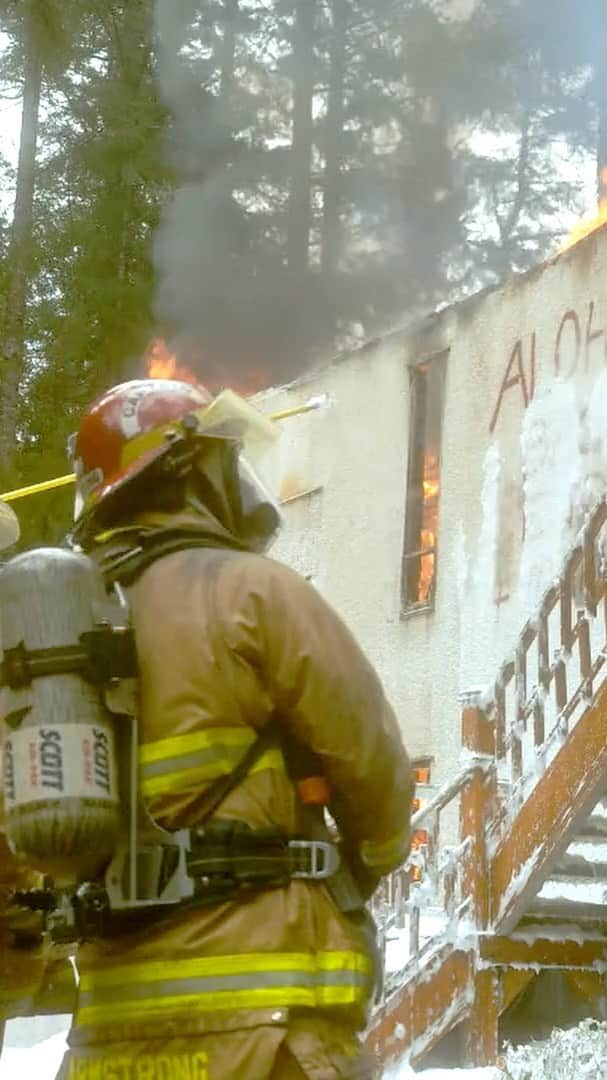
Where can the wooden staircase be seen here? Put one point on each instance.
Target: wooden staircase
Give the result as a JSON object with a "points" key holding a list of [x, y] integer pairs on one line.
{"points": [[514, 877]]}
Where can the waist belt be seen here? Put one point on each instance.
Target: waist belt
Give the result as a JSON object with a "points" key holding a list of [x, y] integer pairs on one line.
{"points": [[225, 859], [230, 855]]}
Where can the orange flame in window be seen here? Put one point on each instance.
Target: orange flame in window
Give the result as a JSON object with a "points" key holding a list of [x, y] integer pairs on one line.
{"points": [[589, 224], [430, 490]]}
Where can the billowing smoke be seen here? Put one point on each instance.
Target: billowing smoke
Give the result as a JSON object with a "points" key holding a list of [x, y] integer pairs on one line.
{"points": [[317, 190], [226, 299]]}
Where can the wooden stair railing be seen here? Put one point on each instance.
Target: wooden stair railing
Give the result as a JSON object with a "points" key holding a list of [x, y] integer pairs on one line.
{"points": [[548, 710], [437, 984], [535, 763]]}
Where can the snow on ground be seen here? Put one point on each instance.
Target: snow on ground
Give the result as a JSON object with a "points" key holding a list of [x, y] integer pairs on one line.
{"points": [[577, 1054], [446, 1074], [38, 1062]]}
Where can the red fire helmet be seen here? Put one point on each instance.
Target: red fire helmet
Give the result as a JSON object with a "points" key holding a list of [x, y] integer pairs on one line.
{"points": [[124, 431]]}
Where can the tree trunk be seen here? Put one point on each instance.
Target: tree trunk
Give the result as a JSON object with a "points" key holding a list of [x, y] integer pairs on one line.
{"points": [[508, 225], [228, 52], [299, 221], [13, 358], [601, 155], [334, 126]]}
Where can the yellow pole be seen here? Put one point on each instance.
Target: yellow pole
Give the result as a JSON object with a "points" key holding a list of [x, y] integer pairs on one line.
{"points": [[33, 489], [63, 481]]}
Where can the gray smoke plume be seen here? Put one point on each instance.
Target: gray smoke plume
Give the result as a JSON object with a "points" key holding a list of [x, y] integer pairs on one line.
{"points": [[225, 299]]}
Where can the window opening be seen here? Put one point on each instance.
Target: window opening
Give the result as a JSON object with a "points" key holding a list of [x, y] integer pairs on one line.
{"points": [[422, 773], [423, 483]]}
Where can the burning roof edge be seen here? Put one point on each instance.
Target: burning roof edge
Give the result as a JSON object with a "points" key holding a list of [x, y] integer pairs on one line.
{"points": [[420, 325]]}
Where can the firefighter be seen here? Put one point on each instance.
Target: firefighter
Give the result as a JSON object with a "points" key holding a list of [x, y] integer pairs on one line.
{"points": [[271, 974], [32, 982]]}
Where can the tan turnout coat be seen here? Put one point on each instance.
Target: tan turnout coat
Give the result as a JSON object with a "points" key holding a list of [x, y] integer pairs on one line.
{"points": [[280, 980]]}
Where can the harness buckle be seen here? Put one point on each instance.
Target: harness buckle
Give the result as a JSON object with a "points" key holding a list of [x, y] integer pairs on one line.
{"points": [[324, 859]]}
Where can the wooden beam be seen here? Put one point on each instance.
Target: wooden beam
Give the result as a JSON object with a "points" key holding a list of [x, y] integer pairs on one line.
{"points": [[481, 1026], [543, 953], [512, 983], [543, 828], [429, 1005], [477, 795], [589, 984]]}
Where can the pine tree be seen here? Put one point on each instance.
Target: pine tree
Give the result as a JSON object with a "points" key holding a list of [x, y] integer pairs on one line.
{"points": [[263, 182], [38, 34], [91, 284]]}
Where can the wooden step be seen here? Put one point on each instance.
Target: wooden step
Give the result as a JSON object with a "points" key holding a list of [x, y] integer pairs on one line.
{"points": [[595, 825], [584, 858], [571, 899]]}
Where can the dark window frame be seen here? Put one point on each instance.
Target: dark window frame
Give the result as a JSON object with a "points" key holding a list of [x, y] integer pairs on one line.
{"points": [[421, 838], [413, 548], [422, 765]]}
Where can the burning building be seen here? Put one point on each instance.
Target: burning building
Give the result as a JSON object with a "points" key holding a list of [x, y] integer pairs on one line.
{"points": [[432, 491], [432, 502]]}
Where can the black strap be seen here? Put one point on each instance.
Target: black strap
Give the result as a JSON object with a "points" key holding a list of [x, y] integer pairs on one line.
{"points": [[219, 790], [126, 565], [102, 654]]}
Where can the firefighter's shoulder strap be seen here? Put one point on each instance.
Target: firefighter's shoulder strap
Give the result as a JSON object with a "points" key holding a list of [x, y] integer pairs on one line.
{"points": [[144, 547], [223, 786]]}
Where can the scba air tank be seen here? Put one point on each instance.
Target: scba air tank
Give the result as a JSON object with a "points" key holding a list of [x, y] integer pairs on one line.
{"points": [[60, 787]]}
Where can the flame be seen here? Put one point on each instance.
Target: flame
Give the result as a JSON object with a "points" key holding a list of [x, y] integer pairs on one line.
{"points": [[430, 492], [588, 224], [162, 364]]}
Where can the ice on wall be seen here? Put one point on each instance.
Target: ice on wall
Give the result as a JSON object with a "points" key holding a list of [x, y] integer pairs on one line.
{"points": [[563, 473], [476, 581], [553, 467]]}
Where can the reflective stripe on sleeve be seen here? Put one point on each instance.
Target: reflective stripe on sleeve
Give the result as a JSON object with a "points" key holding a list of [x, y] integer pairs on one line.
{"points": [[209, 984], [185, 761]]}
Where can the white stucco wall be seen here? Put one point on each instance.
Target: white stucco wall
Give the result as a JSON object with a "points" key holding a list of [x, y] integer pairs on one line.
{"points": [[518, 469]]}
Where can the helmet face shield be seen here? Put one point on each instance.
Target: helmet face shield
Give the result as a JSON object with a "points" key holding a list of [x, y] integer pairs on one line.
{"points": [[261, 516]]}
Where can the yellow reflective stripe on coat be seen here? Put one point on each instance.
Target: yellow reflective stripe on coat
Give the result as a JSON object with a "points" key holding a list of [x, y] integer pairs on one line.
{"points": [[210, 984], [387, 853], [183, 762]]}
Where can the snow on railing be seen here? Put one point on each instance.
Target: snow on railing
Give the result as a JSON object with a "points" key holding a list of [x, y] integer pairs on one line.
{"points": [[541, 692], [509, 737], [417, 907]]}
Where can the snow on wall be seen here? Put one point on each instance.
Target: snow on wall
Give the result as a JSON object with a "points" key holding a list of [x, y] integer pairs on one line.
{"points": [[523, 456]]}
